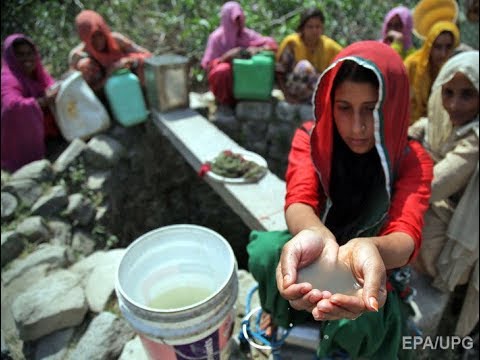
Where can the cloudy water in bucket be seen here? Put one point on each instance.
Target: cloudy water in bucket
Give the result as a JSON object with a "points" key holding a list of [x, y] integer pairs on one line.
{"points": [[179, 297], [177, 287]]}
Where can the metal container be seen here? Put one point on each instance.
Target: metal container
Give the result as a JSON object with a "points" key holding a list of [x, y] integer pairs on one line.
{"points": [[166, 81]]}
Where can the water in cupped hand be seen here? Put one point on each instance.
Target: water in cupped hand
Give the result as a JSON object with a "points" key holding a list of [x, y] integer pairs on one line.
{"points": [[336, 278]]}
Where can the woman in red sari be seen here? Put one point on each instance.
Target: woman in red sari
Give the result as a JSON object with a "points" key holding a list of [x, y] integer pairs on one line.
{"points": [[102, 51], [357, 190]]}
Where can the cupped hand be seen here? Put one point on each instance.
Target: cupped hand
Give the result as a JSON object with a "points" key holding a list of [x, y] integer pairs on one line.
{"points": [[252, 50], [231, 54], [301, 250], [361, 255]]}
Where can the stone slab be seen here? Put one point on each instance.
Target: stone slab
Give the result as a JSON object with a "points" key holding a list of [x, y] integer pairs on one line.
{"points": [[259, 205]]}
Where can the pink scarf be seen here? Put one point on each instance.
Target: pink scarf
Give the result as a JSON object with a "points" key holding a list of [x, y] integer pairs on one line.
{"points": [[229, 35], [406, 17]]}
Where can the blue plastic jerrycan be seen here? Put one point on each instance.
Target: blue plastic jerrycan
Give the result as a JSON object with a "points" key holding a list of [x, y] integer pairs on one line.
{"points": [[124, 94]]}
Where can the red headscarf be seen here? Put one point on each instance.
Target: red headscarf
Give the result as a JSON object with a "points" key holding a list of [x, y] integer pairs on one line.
{"points": [[391, 114], [88, 22]]}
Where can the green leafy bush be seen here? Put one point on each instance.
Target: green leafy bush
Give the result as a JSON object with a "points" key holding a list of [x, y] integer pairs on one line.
{"points": [[181, 26]]}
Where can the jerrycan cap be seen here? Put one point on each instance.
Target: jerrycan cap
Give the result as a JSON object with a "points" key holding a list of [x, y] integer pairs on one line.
{"points": [[121, 71]]}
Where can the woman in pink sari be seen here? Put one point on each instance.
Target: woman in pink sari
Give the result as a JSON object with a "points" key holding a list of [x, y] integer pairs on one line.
{"points": [[230, 40], [26, 117], [397, 30]]}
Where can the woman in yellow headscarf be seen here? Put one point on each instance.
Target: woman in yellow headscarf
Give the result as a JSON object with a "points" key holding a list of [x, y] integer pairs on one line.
{"points": [[424, 64], [303, 56]]}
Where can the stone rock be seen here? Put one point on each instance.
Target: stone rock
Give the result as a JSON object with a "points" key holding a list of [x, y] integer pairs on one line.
{"points": [[103, 151], [52, 202], [226, 121], [280, 136], [200, 100], [54, 346], [40, 170], [5, 350], [4, 177], [101, 215], [286, 112], [134, 350], [27, 190], [9, 205], [34, 229], [104, 339], [69, 155], [246, 282], [80, 209], [254, 130], [97, 180], [254, 110], [56, 302], [99, 258], [305, 112], [54, 256], [83, 243], [259, 147], [61, 232], [13, 244], [431, 304], [101, 283], [9, 294], [20, 284], [85, 266]]}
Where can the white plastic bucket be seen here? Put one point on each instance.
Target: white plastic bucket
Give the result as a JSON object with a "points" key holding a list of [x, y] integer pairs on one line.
{"points": [[179, 260]]}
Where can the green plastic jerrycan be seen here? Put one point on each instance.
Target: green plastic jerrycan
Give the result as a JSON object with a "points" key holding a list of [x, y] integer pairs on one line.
{"points": [[124, 94], [253, 78]]}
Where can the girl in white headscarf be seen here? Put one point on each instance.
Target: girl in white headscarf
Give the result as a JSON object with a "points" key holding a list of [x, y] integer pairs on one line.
{"points": [[449, 251]]}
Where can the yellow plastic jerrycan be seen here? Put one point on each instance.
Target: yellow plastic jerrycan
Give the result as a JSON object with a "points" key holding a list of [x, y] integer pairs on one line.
{"points": [[124, 94], [253, 78]]}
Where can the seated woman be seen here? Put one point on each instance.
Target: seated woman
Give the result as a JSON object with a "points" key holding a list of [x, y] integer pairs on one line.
{"points": [[303, 56], [232, 39], [450, 134], [102, 51], [425, 63], [397, 30], [468, 16], [357, 190], [27, 121]]}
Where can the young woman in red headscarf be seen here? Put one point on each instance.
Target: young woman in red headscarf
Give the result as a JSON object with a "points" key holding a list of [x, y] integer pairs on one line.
{"points": [[357, 190], [103, 51]]}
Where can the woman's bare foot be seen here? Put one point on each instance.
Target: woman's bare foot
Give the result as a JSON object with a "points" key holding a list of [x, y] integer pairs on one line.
{"points": [[266, 324]]}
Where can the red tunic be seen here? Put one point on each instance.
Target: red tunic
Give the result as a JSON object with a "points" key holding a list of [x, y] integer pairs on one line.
{"points": [[407, 168], [410, 195]]}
